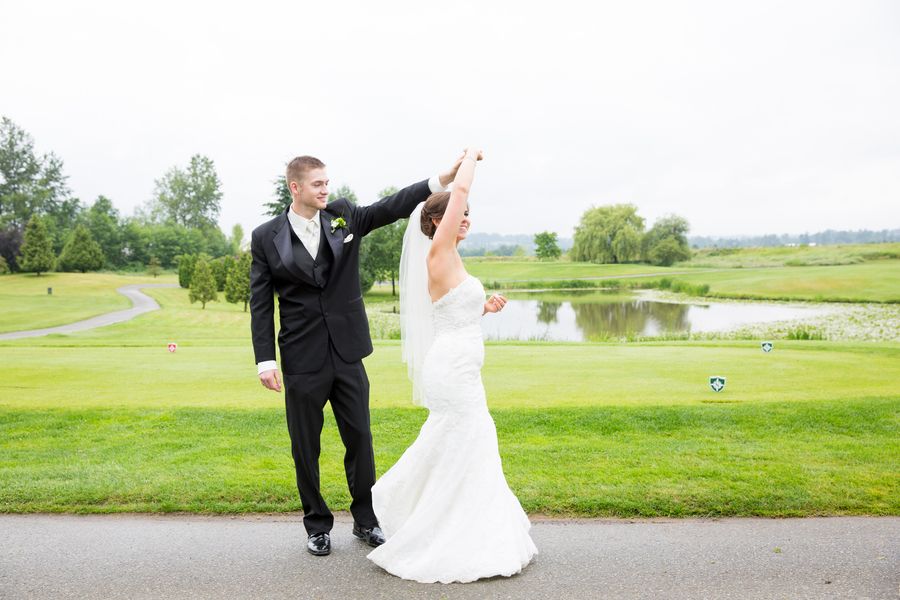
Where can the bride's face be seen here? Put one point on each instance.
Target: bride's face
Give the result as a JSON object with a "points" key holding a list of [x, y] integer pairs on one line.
{"points": [[463, 226]]}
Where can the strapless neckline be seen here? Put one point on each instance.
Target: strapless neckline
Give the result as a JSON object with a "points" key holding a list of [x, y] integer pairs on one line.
{"points": [[451, 290]]}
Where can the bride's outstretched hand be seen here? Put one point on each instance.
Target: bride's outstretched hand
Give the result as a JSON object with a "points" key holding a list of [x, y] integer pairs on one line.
{"points": [[494, 304]]}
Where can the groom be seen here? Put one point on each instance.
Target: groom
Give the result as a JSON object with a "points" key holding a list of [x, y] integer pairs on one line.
{"points": [[309, 257]]}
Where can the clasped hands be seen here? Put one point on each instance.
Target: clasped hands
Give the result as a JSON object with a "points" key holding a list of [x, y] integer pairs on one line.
{"points": [[447, 177]]}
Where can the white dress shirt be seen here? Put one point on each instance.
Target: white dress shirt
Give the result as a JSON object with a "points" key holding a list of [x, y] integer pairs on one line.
{"points": [[309, 230]]}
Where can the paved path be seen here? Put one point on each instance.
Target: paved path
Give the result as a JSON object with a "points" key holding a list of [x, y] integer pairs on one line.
{"points": [[140, 304], [137, 556]]}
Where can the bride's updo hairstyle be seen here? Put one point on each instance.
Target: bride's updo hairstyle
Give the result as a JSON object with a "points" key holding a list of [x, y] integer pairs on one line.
{"points": [[433, 208]]}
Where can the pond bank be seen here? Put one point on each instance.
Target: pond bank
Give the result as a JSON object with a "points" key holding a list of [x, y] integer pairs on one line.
{"points": [[862, 322]]}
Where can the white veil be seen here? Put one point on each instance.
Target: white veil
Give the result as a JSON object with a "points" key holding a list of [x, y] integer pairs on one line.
{"points": [[416, 326]]}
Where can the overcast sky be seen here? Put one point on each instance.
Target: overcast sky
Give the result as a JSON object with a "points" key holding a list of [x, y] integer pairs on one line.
{"points": [[744, 117]]}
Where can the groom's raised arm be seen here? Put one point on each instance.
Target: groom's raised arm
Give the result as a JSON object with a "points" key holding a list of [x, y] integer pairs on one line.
{"points": [[400, 205], [391, 208]]}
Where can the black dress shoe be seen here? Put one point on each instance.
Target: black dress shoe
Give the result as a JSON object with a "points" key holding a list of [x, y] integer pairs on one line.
{"points": [[319, 544], [373, 536]]}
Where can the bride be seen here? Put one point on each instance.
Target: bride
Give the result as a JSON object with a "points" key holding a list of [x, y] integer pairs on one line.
{"points": [[445, 506]]}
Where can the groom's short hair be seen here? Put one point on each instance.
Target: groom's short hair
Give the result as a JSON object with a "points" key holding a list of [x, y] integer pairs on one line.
{"points": [[299, 166]]}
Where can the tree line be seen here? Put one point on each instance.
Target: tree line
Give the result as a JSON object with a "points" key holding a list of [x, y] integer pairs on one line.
{"points": [[70, 235], [821, 238], [43, 227], [616, 234]]}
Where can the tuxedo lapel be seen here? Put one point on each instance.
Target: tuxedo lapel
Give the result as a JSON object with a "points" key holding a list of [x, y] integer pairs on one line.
{"points": [[335, 238], [285, 248]]}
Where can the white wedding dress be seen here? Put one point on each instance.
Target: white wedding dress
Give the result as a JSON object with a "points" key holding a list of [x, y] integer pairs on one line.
{"points": [[445, 507]]}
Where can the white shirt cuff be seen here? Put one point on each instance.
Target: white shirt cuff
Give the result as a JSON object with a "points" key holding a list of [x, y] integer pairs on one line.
{"points": [[266, 365], [434, 184]]}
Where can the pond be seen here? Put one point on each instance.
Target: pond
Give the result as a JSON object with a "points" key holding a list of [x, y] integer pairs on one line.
{"points": [[592, 316]]}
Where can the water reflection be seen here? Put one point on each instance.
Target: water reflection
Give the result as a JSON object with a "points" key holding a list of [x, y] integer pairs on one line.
{"points": [[547, 311], [602, 320], [593, 316]]}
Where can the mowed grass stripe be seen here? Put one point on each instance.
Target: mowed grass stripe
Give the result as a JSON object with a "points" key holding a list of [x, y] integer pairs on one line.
{"points": [[770, 256], [522, 375], [876, 281], [772, 459]]}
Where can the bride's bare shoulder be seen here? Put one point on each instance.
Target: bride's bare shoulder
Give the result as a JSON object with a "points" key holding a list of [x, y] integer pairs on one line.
{"points": [[444, 273]]}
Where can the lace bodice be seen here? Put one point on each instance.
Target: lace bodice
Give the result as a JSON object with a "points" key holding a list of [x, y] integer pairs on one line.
{"points": [[452, 368], [461, 307]]}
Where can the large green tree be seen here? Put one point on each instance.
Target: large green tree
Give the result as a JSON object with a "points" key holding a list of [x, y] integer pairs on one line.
{"points": [[366, 273], [10, 245], [188, 197], [237, 285], [186, 263], [106, 228], [221, 267], [203, 283], [81, 252], [609, 234], [666, 243], [380, 256], [62, 219], [546, 246], [345, 192], [153, 267], [19, 170], [236, 239], [135, 242], [29, 184], [37, 249], [167, 242], [215, 243], [281, 198]]}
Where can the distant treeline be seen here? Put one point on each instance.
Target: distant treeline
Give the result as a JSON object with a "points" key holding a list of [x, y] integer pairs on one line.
{"points": [[479, 244], [823, 238], [497, 244]]}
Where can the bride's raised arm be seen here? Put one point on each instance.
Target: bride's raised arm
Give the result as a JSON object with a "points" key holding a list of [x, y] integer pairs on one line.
{"points": [[445, 268]]}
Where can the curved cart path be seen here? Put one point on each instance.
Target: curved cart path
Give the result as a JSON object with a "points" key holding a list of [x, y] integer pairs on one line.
{"points": [[140, 304]]}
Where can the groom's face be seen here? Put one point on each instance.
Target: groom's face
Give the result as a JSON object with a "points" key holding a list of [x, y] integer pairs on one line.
{"points": [[312, 189]]}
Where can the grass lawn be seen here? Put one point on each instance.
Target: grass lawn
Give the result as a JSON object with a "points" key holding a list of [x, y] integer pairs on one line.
{"points": [[777, 256], [870, 281], [25, 304], [777, 459], [874, 281], [108, 420]]}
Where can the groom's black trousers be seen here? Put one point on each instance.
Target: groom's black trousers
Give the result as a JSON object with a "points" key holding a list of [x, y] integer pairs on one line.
{"points": [[346, 385]]}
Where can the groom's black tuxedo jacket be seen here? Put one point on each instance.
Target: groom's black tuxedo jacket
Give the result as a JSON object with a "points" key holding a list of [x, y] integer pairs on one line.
{"points": [[320, 299]]}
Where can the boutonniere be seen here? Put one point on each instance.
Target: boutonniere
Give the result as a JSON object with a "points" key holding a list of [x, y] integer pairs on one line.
{"points": [[338, 223]]}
